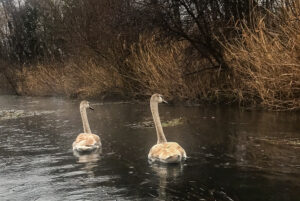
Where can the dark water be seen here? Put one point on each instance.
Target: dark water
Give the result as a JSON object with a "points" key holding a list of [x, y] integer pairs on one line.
{"points": [[233, 154]]}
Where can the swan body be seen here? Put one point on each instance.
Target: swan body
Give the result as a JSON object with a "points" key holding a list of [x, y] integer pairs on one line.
{"points": [[169, 152], [86, 142], [163, 151]]}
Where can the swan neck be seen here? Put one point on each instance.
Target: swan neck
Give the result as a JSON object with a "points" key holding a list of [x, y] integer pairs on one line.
{"points": [[85, 122], [159, 130]]}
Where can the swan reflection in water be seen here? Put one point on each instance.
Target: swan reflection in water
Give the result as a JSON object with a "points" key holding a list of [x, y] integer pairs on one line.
{"points": [[90, 160], [166, 173]]}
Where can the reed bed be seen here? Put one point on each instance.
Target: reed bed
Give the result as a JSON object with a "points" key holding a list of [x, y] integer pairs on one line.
{"points": [[264, 69], [79, 79], [265, 63]]}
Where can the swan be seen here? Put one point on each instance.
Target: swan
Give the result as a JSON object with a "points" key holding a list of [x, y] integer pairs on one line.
{"points": [[163, 151], [86, 142]]}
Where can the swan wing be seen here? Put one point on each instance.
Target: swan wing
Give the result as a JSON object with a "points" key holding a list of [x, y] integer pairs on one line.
{"points": [[169, 152], [86, 141]]}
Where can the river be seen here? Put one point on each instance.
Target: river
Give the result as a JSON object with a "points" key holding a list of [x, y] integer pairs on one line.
{"points": [[233, 154]]}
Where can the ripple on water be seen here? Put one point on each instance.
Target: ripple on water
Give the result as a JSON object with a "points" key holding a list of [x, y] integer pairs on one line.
{"points": [[233, 155], [15, 114]]}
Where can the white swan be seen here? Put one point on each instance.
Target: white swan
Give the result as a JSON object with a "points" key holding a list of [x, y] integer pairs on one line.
{"points": [[86, 141], [163, 151]]}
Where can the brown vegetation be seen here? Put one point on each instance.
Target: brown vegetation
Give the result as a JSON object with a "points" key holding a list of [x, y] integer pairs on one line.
{"points": [[265, 62], [248, 55], [71, 78]]}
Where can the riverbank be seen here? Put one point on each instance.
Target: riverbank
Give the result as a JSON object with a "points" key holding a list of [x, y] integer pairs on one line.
{"points": [[261, 69], [263, 72]]}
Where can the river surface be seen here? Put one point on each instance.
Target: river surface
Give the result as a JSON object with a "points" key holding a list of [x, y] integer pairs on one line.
{"points": [[233, 154]]}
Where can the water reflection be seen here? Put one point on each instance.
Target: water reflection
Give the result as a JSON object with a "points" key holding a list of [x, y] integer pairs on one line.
{"points": [[89, 160], [234, 154], [166, 173]]}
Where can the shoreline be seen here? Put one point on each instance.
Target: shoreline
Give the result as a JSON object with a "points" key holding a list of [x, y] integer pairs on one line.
{"points": [[145, 101]]}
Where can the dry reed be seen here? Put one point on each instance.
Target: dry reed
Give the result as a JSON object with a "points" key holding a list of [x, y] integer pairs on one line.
{"points": [[265, 63], [74, 79], [264, 69], [157, 67]]}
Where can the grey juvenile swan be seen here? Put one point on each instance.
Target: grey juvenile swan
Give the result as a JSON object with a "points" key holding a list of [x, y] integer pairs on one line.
{"points": [[163, 151], [86, 141]]}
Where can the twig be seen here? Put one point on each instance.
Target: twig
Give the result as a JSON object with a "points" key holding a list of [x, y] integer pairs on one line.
{"points": [[203, 69]]}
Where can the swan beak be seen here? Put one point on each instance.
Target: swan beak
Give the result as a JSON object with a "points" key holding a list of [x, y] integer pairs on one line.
{"points": [[164, 101], [91, 108]]}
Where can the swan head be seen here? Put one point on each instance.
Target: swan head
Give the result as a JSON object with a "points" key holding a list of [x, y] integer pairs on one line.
{"points": [[158, 98], [85, 104]]}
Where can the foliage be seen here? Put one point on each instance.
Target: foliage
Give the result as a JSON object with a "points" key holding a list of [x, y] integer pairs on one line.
{"points": [[242, 52]]}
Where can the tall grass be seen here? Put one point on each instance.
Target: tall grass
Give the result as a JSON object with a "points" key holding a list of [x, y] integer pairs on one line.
{"points": [[264, 69], [74, 79], [265, 62], [157, 67], [167, 67]]}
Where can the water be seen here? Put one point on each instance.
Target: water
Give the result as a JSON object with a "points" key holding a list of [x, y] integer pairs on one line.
{"points": [[233, 154]]}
